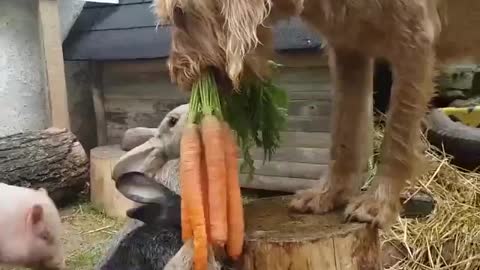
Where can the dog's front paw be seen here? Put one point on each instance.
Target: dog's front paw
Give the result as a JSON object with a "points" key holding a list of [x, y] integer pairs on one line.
{"points": [[368, 208], [318, 200]]}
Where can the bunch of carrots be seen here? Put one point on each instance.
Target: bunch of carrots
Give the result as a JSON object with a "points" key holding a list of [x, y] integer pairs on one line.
{"points": [[211, 205]]}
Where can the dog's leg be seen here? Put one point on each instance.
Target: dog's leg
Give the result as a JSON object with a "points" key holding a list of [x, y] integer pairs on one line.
{"points": [[401, 152], [351, 133]]}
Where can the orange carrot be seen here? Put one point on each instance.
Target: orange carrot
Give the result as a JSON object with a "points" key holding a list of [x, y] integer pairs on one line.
{"points": [[187, 232], [190, 180], [236, 223], [212, 137], [204, 175]]}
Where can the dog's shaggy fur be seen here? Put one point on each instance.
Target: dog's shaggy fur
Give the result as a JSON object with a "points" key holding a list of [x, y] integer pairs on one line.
{"points": [[413, 35]]}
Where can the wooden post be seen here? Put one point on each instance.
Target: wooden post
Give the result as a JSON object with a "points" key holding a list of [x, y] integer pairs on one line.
{"points": [[96, 70], [103, 193], [52, 54], [277, 239]]}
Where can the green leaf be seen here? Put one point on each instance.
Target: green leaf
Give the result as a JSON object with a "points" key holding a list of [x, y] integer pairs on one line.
{"points": [[257, 114]]}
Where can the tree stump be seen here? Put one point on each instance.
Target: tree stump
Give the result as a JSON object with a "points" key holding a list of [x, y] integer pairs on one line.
{"points": [[277, 239], [103, 193], [52, 159]]}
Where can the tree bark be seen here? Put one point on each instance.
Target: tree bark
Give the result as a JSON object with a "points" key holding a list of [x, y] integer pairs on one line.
{"points": [[52, 159], [277, 239]]}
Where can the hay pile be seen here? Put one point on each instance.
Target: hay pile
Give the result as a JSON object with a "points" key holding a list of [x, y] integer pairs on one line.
{"points": [[449, 238]]}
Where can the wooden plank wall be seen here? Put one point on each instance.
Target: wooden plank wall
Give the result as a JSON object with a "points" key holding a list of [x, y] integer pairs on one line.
{"points": [[139, 93]]}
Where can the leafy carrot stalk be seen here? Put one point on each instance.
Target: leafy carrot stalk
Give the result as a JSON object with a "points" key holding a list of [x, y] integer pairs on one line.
{"points": [[257, 114], [236, 223]]}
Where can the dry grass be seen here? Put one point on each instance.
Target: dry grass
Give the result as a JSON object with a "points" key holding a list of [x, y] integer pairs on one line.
{"points": [[87, 233], [449, 238]]}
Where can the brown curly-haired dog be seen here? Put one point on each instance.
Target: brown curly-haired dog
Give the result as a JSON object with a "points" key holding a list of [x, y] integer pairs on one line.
{"points": [[234, 37]]}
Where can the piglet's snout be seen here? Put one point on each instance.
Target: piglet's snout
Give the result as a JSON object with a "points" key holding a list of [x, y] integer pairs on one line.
{"points": [[56, 263], [62, 265]]}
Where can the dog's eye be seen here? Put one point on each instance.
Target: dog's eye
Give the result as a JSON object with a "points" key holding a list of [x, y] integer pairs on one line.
{"points": [[172, 121]]}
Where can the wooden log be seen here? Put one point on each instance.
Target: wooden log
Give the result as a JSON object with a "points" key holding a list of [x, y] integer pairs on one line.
{"points": [[103, 194], [53, 159], [278, 239]]}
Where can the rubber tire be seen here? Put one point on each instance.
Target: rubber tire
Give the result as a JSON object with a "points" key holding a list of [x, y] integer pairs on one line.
{"points": [[460, 141]]}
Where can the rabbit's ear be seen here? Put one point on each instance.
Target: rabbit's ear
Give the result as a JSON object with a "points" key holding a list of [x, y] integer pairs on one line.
{"points": [[142, 189], [161, 205], [156, 214], [147, 214], [134, 137]]}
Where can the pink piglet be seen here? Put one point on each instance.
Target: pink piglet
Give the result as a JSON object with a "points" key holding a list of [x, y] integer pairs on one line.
{"points": [[30, 229]]}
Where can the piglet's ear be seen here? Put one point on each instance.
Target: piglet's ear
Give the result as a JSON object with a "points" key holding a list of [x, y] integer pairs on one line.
{"points": [[36, 214]]}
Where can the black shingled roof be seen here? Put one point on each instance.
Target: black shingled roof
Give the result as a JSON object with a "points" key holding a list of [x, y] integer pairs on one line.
{"points": [[127, 31]]}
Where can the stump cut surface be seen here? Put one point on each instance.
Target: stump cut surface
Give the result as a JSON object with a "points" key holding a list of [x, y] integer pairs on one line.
{"points": [[277, 238]]}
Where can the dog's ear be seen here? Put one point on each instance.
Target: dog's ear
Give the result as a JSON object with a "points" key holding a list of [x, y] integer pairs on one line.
{"points": [[179, 19]]}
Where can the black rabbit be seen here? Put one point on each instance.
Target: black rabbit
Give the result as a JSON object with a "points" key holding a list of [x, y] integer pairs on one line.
{"points": [[151, 245]]}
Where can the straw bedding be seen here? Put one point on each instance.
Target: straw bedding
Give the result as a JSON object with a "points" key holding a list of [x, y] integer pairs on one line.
{"points": [[449, 238]]}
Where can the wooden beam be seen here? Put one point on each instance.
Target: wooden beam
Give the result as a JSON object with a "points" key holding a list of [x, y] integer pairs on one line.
{"points": [[96, 71], [52, 53]]}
